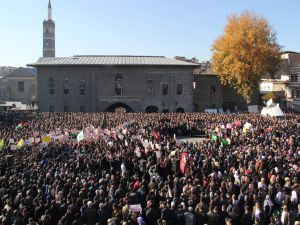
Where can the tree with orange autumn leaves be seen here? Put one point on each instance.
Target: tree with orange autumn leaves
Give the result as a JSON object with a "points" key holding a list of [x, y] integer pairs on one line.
{"points": [[247, 50]]}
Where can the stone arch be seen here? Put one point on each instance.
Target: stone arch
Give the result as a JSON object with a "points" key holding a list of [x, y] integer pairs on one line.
{"points": [[180, 110], [151, 109], [113, 107]]}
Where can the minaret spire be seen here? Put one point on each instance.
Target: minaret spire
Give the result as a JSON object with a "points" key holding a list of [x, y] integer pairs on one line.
{"points": [[49, 34], [49, 11]]}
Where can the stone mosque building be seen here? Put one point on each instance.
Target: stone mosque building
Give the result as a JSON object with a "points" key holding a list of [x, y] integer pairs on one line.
{"points": [[97, 83]]}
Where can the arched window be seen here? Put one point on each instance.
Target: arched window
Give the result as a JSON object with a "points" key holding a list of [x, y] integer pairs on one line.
{"points": [[119, 85], [51, 86], [150, 86], [82, 86], [66, 86]]}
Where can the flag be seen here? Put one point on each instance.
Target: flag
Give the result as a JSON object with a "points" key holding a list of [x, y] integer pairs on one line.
{"points": [[20, 126], [155, 134], [20, 144], [80, 136], [237, 123], [183, 162], [214, 137], [46, 139], [1, 144], [224, 143], [229, 126]]}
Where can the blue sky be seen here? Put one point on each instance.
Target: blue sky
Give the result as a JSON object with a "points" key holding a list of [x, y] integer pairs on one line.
{"points": [[135, 27]]}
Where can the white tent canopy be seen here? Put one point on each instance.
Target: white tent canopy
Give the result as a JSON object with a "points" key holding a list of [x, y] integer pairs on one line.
{"points": [[274, 111]]}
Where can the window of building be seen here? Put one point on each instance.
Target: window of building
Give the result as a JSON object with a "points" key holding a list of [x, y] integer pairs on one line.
{"points": [[179, 89], [66, 86], [21, 86], [150, 86], [82, 108], [164, 89], [119, 85], [213, 88], [66, 108], [51, 86], [51, 108], [82, 86], [296, 93], [194, 85], [294, 77]]}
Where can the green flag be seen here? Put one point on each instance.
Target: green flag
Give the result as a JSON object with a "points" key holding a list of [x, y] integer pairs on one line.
{"points": [[224, 143], [214, 137], [1, 144]]}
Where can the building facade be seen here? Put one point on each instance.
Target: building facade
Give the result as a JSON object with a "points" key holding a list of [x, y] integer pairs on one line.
{"points": [[209, 93], [19, 85], [294, 85], [106, 83]]}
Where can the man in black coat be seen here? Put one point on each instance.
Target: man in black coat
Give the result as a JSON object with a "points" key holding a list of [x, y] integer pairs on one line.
{"points": [[91, 214], [152, 214]]}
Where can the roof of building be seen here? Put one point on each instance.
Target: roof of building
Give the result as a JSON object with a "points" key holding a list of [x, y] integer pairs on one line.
{"points": [[116, 60], [22, 72], [289, 52]]}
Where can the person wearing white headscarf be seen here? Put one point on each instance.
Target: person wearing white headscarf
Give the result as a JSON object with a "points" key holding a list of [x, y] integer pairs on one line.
{"points": [[268, 204]]}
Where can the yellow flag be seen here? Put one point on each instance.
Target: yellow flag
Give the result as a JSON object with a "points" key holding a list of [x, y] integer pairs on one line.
{"points": [[46, 139], [1, 144], [20, 144]]}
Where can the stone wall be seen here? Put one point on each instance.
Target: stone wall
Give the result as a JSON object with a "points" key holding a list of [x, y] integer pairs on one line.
{"points": [[9, 89], [100, 87]]}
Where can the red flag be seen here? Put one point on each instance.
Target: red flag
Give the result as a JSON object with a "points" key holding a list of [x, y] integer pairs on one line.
{"points": [[183, 162], [155, 134]]}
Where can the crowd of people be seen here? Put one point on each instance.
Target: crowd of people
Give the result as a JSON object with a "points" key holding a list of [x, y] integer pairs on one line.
{"points": [[129, 169]]}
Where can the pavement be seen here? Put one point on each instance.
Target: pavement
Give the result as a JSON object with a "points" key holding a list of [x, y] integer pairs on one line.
{"points": [[193, 139]]}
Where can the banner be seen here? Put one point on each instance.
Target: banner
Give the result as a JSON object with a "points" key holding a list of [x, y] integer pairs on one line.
{"points": [[135, 208], [80, 136], [20, 144], [183, 162], [1, 144], [46, 139]]}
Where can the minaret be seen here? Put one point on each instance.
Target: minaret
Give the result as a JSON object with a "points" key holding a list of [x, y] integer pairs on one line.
{"points": [[49, 34]]}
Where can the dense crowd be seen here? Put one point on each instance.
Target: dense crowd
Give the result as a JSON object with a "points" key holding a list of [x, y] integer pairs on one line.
{"points": [[129, 169]]}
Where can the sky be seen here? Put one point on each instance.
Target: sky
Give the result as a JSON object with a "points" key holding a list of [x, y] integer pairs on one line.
{"points": [[133, 27]]}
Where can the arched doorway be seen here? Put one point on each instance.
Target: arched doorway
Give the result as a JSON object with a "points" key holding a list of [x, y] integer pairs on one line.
{"points": [[180, 110], [165, 110], [151, 109], [119, 107]]}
